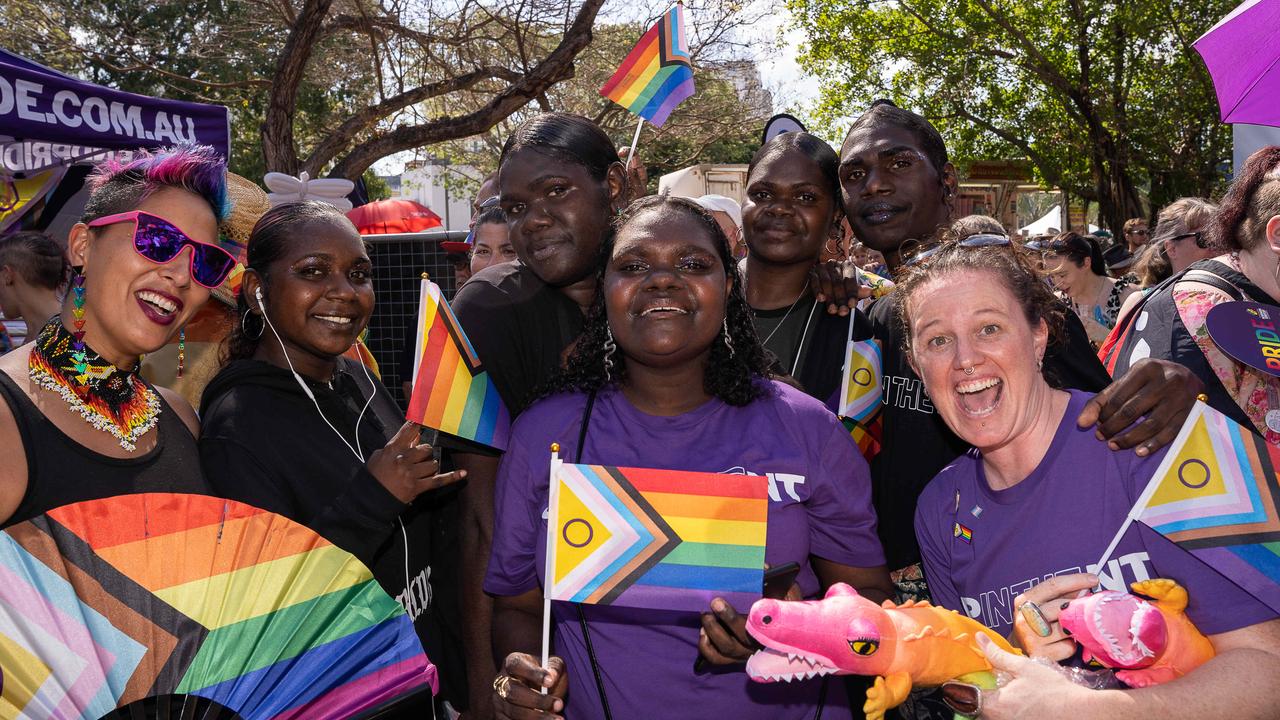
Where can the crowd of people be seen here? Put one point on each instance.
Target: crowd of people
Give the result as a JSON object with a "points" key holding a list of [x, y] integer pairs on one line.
{"points": [[1028, 395]]}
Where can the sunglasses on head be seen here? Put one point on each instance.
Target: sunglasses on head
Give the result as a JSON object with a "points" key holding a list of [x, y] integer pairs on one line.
{"points": [[1197, 236], [972, 241], [160, 241]]}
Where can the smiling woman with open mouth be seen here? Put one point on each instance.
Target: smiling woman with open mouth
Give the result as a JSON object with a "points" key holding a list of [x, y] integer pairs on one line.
{"points": [[1007, 530]]}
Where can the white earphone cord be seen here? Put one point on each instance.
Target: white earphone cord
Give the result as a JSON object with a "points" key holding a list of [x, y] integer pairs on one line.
{"points": [[404, 533]]}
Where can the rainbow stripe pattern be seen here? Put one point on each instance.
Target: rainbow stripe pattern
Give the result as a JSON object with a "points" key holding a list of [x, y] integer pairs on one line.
{"points": [[657, 74], [106, 602], [1216, 495], [451, 391], [662, 539]]}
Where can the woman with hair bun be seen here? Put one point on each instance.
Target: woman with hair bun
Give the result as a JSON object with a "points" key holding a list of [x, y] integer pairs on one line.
{"points": [[1079, 273], [33, 269], [80, 422], [669, 373], [560, 184]]}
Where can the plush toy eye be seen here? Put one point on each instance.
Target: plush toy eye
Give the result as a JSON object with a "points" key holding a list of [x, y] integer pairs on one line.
{"points": [[864, 647]]}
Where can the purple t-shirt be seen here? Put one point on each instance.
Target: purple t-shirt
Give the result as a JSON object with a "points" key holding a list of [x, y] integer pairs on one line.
{"points": [[820, 504], [1058, 521]]}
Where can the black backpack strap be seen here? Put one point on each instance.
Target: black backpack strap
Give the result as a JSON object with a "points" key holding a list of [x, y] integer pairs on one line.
{"points": [[582, 618]]}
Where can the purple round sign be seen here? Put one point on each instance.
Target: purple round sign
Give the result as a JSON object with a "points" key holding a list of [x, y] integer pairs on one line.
{"points": [[1249, 332]]}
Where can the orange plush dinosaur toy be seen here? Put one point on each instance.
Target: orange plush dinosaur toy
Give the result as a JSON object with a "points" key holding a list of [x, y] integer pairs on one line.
{"points": [[1148, 642], [915, 644]]}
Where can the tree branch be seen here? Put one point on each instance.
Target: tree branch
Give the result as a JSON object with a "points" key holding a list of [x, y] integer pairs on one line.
{"points": [[556, 66]]}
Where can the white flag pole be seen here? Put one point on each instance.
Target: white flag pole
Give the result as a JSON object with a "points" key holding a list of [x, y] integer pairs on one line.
{"points": [[1154, 483], [553, 522], [635, 140]]}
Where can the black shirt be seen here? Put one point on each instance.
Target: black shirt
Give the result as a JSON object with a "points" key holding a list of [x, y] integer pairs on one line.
{"points": [[61, 471], [916, 444], [519, 327]]}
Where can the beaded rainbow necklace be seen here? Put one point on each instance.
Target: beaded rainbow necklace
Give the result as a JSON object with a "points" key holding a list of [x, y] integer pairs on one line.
{"points": [[108, 398]]}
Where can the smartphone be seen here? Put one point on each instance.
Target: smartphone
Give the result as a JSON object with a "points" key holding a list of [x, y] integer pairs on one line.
{"points": [[778, 580]]}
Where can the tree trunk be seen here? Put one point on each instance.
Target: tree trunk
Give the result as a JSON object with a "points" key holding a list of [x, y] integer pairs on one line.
{"points": [[278, 149]]}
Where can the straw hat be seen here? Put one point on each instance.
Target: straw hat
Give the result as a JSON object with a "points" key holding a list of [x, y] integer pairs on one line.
{"points": [[248, 203]]}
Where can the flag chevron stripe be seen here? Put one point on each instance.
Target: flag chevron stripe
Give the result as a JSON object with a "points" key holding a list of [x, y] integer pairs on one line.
{"points": [[663, 538], [1216, 494], [621, 534]]}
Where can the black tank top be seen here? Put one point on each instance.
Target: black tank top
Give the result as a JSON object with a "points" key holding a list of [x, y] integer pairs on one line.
{"points": [[61, 471]]}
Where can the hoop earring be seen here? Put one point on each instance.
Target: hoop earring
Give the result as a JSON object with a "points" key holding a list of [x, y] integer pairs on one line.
{"points": [[728, 339], [610, 347], [182, 349], [245, 330]]}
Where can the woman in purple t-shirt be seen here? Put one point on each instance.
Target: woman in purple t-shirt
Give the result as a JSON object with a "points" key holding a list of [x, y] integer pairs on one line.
{"points": [[669, 374], [1039, 498]]}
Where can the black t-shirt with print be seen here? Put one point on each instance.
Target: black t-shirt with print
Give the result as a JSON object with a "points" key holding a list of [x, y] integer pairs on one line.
{"points": [[916, 444]]}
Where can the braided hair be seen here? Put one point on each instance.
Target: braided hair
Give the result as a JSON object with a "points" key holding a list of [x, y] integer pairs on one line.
{"points": [[731, 374]]}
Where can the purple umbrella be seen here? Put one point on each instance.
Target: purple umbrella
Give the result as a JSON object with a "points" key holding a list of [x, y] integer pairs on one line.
{"points": [[1242, 53]]}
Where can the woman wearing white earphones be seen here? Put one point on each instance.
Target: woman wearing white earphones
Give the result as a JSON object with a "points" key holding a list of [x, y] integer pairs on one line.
{"points": [[293, 427]]}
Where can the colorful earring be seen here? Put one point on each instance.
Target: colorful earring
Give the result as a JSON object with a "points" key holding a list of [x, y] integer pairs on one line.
{"points": [[182, 349], [78, 359]]}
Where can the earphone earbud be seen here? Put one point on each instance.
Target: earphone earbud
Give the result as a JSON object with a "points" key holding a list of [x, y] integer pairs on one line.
{"points": [[257, 292]]}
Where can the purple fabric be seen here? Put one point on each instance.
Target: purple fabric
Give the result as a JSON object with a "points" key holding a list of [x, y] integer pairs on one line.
{"points": [[53, 117], [1056, 522], [1243, 58], [820, 504]]}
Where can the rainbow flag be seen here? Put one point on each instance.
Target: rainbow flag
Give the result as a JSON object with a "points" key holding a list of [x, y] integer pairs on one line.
{"points": [[657, 75], [867, 437], [451, 391], [1216, 495], [106, 602], [860, 384], [662, 539]]}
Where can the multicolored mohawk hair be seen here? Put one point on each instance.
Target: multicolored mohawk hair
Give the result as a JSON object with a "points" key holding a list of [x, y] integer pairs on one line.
{"points": [[117, 186]]}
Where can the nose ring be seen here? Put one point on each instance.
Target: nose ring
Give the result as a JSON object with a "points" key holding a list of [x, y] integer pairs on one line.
{"points": [[968, 371]]}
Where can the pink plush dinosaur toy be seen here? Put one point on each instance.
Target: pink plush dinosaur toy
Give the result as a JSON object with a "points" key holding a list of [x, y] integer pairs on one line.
{"points": [[1150, 643], [847, 634]]}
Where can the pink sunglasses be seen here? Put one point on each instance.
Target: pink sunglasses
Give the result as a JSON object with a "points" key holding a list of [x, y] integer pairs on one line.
{"points": [[160, 241]]}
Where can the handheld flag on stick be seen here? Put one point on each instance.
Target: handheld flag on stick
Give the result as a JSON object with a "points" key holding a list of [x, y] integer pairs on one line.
{"points": [[657, 75], [451, 391], [1216, 495], [860, 393], [661, 539]]}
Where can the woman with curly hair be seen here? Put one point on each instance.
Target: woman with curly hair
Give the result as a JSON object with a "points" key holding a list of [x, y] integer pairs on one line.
{"points": [[1171, 323], [669, 374]]}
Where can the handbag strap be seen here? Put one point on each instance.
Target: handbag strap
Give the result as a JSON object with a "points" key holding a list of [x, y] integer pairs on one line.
{"points": [[582, 618]]}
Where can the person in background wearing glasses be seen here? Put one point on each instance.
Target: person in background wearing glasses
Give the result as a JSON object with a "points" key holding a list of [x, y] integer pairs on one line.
{"points": [[1079, 273], [1181, 229], [1135, 234], [1016, 519], [78, 422]]}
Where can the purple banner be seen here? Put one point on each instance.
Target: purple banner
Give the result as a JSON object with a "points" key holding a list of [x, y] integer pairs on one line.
{"points": [[48, 118]]}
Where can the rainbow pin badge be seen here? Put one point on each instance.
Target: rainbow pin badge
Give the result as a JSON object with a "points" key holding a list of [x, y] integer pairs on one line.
{"points": [[963, 533]]}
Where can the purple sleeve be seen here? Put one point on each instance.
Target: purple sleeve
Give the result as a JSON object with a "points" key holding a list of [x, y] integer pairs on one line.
{"points": [[1216, 604], [513, 566], [842, 523], [934, 544]]}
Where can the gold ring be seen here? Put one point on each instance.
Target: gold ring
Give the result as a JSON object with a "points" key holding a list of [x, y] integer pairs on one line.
{"points": [[502, 685]]}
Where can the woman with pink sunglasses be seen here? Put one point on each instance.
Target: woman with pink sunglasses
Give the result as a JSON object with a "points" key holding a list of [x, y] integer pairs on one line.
{"points": [[77, 421]]}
